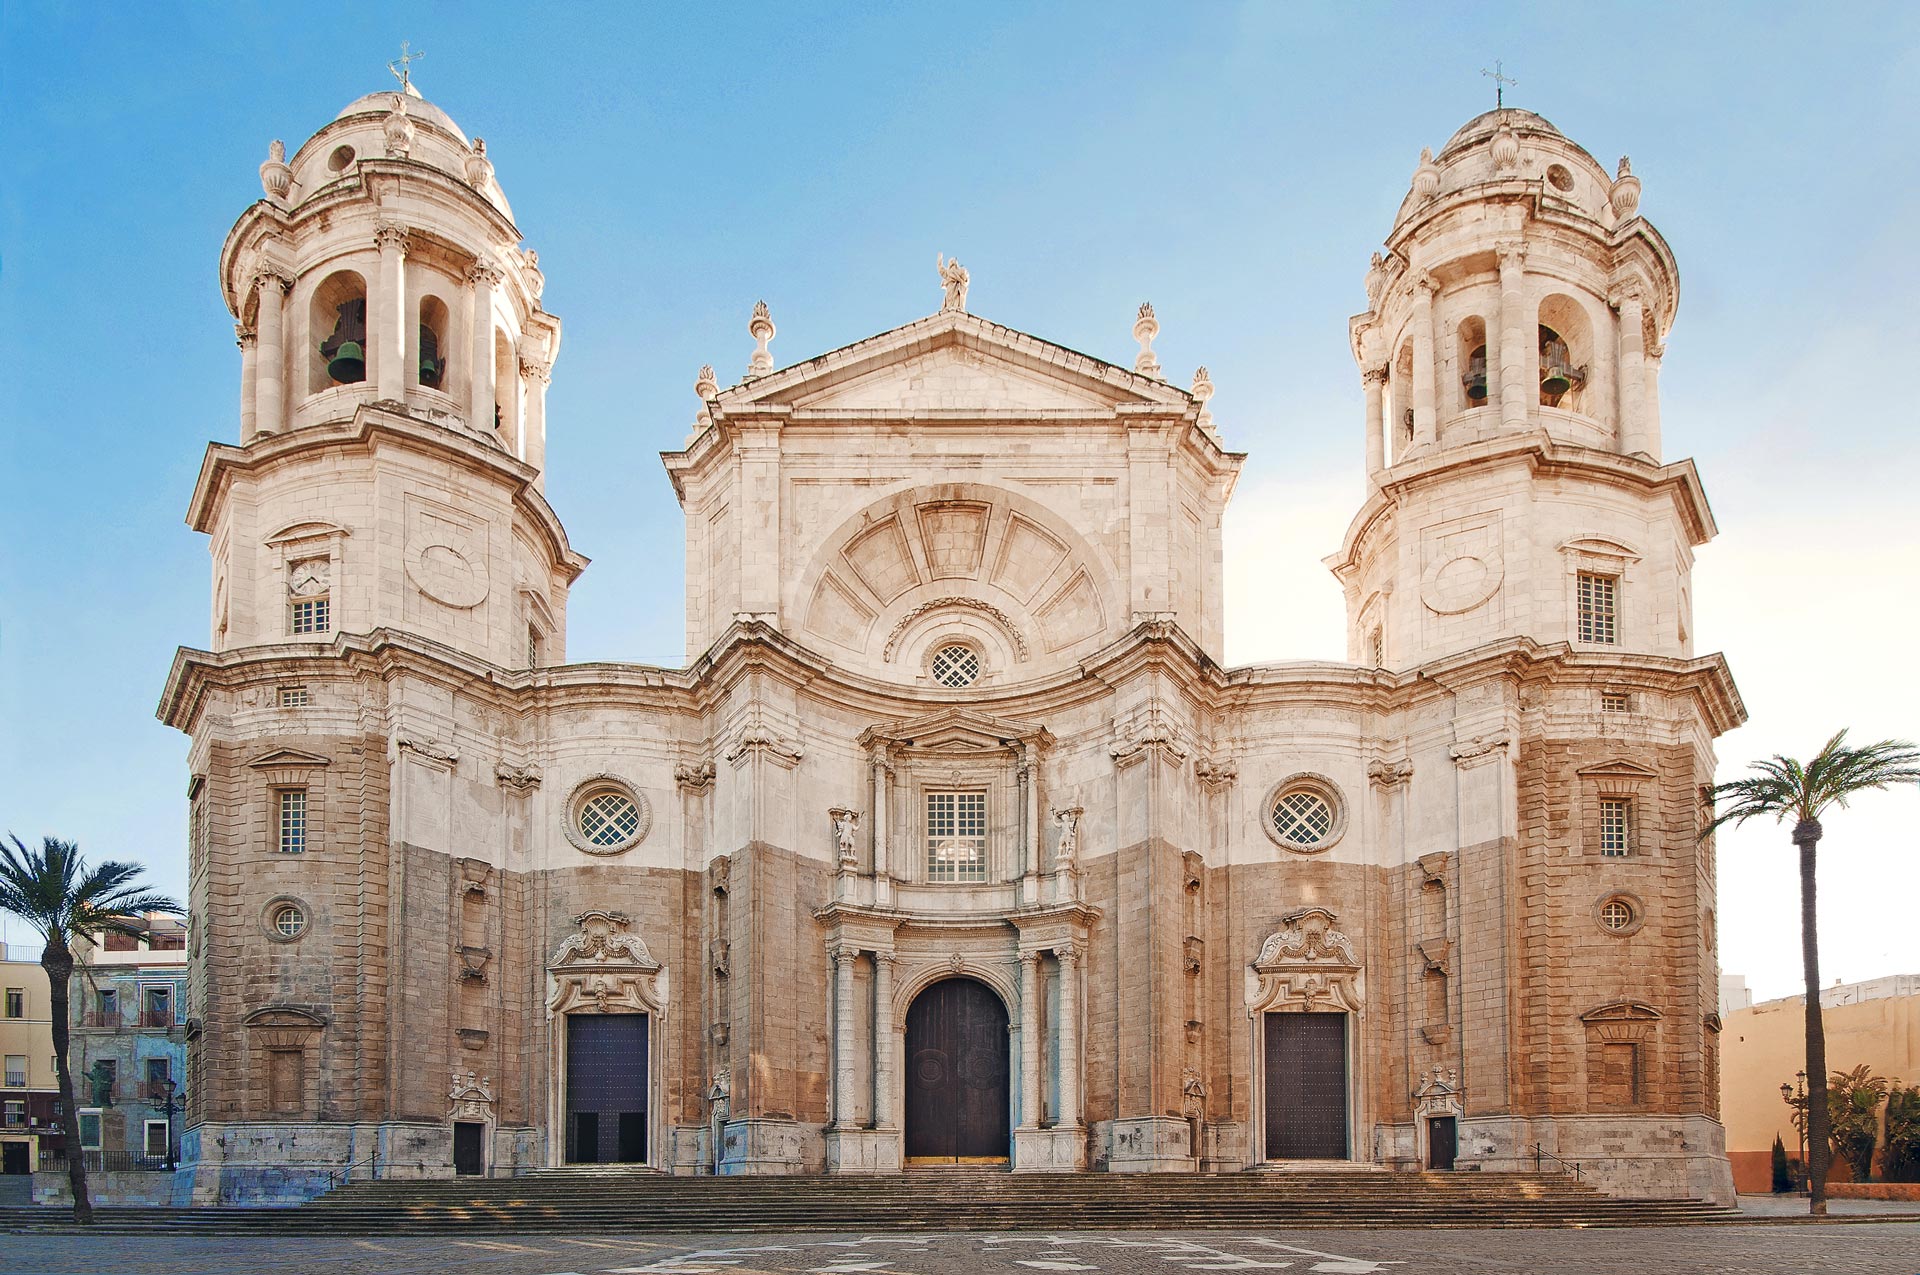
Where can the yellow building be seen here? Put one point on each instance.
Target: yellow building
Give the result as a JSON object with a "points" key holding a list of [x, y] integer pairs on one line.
{"points": [[29, 1091], [1763, 1046]]}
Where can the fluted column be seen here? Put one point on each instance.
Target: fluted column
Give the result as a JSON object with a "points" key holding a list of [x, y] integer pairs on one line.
{"points": [[842, 958], [388, 339], [1426, 421], [533, 434], [247, 338], [1069, 957], [883, 1040], [1374, 380], [1514, 346], [1633, 372], [269, 380], [1029, 1040], [482, 279]]}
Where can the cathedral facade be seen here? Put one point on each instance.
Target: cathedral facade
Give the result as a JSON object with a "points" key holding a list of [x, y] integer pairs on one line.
{"points": [[954, 841]]}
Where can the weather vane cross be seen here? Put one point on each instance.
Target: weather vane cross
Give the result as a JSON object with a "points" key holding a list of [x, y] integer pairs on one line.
{"points": [[403, 72], [1500, 83]]}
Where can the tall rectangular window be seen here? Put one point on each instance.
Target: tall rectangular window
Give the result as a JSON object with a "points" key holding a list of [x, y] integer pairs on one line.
{"points": [[1599, 608], [1616, 818], [956, 836], [159, 1008], [16, 1071], [310, 615], [293, 820], [158, 1136], [16, 1114], [16, 1002], [533, 647]]}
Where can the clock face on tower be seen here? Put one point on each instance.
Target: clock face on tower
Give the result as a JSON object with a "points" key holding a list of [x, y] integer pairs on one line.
{"points": [[309, 577]]}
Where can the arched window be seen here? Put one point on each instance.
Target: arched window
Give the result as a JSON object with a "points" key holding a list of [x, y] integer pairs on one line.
{"points": [[337, 332], [434, 346]]}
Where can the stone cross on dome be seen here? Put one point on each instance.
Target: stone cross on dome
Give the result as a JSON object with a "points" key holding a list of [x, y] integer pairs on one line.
{"points": [[401, 68], [1500, 82]]}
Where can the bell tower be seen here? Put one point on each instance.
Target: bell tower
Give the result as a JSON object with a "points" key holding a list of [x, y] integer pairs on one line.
{"points": [[1510, 357], [394, 366]]}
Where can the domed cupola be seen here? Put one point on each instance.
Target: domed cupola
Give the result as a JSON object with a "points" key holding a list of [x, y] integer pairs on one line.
{"points": [[383, 265], [1518, 291], [1509, 358]]}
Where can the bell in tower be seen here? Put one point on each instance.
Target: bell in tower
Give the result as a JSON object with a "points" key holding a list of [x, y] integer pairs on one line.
{"points": [[346, 349]]}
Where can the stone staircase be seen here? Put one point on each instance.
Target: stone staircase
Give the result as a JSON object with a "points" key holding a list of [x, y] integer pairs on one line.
{"points": [[583, 1200]]}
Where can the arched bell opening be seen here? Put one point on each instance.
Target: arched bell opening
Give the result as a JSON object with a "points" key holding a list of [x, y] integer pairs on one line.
{"points": [[959, 1099], [430, 367], [1566, 353], [1400, 401], [337, 328], [506, 383], [1471, 346]]}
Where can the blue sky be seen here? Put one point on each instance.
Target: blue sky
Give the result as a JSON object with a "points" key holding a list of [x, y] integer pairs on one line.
{"points": [[1234, 164]]}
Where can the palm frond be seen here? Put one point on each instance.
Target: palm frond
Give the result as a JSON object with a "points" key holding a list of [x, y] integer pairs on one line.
{"points": [[1781, 788], [53, 890]]}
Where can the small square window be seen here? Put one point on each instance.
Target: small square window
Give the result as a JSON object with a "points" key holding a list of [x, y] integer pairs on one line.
{"points": [[293, 820], [1615, 702], [956, 836], [310, 615], [1599, 611], [1616, 816], [293, 697]]}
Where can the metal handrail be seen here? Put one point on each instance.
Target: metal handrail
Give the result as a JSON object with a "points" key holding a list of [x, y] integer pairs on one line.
{"points": [[346, 1175], [1540, 1153]]}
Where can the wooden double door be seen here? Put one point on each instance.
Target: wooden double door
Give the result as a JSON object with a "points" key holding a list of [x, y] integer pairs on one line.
{"points": [[606, 1088], [957, 1095], [1306, 1079]]}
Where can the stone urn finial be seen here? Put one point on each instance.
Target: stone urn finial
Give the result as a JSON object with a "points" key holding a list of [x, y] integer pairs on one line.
{"points": [[1203, 390], [276, 176], [1624, 194], [1375, 280], [479, 167], [1426, 178], [761, 329], [1145, 328], [1505, 149], [398, 129], [706, 385]]}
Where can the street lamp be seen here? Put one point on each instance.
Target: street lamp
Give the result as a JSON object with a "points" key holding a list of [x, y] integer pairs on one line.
{"points": [[176, 1101], [1795, 1096]]}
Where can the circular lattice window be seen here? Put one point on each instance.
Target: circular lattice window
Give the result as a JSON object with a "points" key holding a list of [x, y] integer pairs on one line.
{"points": [[1619, 914], [1305, 813], [285, 918], [607, 816], [955, 666]]}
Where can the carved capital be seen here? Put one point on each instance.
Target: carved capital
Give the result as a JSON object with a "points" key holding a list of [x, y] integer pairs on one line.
{"points": [[1626, 295], [431, 751], [268, 277], [244, 335], [482, 275], [1511, 251], [694, 777], [535, 370], [1421, 286], [1390, 774], [390, 234], [1374, 375], [1479, 750], [520, 779], [1068, 954], [1216, 772]]}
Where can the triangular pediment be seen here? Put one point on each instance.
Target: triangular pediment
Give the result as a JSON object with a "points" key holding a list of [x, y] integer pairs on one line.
{"points": [[1619, 767], [953, 363], [957, 730], [287, 758]]}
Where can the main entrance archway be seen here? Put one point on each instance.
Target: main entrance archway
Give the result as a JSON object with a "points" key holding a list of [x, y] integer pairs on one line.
{"points": [[958, 1100], [606, 1088]]}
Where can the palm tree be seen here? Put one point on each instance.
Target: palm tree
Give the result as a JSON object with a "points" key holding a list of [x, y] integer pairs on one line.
{"points": [[1783, 788], [54, 890]]}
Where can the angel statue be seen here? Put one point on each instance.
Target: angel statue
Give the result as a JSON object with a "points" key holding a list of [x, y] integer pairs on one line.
{"points": [[953, 278]]}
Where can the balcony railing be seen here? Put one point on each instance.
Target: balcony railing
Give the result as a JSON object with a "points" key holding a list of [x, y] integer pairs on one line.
{"points": [[108, 1018], [157, 1018]]}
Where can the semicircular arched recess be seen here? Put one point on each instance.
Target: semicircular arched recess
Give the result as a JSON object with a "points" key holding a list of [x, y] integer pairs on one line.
{"points": [[966, 560]]}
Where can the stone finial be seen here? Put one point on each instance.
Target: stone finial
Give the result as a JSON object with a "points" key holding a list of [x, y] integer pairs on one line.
{"points": [[536, 279], [706, 385], [1145, 328], [1375, 280], [1203, 390], [479, 167], [953, 283], [1505, 149], [1624, 194], [761, 328], [398, 129], [1426, 178], [276, 175]]}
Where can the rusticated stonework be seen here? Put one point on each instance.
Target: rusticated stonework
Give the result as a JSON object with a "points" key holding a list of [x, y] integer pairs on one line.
{"points": [[952, 718]]}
